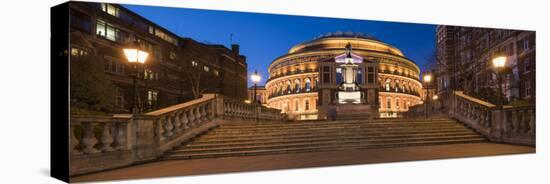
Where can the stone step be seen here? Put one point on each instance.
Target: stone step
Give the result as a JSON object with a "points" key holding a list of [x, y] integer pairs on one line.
{"points": [[218, 136], [202, 144], [314, 149], [321, 123], [359, 140], [226, 129]]}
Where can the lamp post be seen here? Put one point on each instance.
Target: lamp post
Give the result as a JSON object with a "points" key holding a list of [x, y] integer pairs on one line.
{"points": [[255, 78], [427, 80], [499, 63], [135, 56]]}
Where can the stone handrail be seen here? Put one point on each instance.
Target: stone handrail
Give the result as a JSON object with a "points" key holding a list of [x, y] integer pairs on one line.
{"points": [[514, 125], [104, 142]]}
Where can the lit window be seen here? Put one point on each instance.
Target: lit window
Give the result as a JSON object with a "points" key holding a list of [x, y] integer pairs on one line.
{"points": [[308, 85], [388, 84], [396, 103], [152, 97], [74, 52], [107, 31], [216, 73], [194, 63], [297, 86], [110, 9], [206, 68], [151, 30]]}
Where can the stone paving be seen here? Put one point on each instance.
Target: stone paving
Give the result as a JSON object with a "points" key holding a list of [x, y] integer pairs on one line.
{"points": [[303, 160]]}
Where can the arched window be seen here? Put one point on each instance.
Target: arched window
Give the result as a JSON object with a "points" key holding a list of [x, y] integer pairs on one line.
{"points": [[308, 85], [404, 84], [396, 85], [297, 86], [388, 103], [297, 105], [388, 84], [397, 103], [288, 90]]}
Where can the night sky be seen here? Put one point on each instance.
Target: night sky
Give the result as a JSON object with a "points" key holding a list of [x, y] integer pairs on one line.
{"points": [[264, 37]]}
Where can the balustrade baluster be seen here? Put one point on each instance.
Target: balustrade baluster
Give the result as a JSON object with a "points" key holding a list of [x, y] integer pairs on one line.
{"points": [[167, 126], [197, 115], [177, 122], [184, 120], [120, 140], [191, 117], [74, 141], [532, 121], [159, 129], [106, 137], [515, 127], [203, 112], [89, 139], [210, 111]]}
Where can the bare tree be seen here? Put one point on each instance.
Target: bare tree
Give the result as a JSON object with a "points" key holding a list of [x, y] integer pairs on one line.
{"points": [[193, 75]]}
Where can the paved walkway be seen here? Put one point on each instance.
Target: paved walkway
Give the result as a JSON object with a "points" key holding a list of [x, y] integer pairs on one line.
{"points": [[303, 160]]}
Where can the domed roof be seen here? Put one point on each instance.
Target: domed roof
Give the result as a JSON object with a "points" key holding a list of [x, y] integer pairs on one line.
{"points": [[338, 40]]}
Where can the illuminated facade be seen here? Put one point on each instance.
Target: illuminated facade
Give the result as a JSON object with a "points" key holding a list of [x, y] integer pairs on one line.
{"points": [[294, 78]]}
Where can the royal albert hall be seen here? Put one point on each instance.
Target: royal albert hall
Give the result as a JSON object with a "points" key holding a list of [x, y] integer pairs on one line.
{"points": [[294, 77]]}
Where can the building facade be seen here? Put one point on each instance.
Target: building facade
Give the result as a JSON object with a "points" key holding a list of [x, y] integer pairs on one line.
{"points": [[177, 69], [261, 95], [294, 78], [465, 54]]}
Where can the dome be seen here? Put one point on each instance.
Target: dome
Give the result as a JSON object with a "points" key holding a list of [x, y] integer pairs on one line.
{"points": [[339, 39]]}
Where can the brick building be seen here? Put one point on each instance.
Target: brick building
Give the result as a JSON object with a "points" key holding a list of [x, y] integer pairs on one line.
{"points": [[99, 32], [464, 56]]}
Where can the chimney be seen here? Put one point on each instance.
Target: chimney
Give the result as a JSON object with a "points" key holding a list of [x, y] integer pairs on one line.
{"points": [[235, 49]]}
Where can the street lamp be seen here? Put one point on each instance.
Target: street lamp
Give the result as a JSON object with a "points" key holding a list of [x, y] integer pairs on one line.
{"points": [[427, 80], [255, 78], [135, 56], [499, 63]]}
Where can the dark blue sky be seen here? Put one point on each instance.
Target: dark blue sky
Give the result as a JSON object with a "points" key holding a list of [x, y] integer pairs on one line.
{"points": [[264, 37]]}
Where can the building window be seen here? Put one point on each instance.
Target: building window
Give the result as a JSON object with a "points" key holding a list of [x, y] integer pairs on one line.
{"points": [[216, 73], [338, 75], [194, 63], [110, 9], [397, 103], [297, 86], [326, 75], [297, 105], [388, 84], [162, 35], [151, 30], [78, 52], [396, 85], [108, 31], [206, 68], [388, 103], [525, 44], [152, 97], [370, 75], [288, 90], [359, 76], [119, 97], [306, 104], [308, 85]]}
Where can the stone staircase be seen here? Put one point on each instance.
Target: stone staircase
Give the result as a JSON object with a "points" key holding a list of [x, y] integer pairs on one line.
{"points": [[243, 139]]}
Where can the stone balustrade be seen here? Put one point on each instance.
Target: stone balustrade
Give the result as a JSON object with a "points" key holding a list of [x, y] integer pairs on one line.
{"points": [[105, 142], [514, 125], [234, 109]]}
